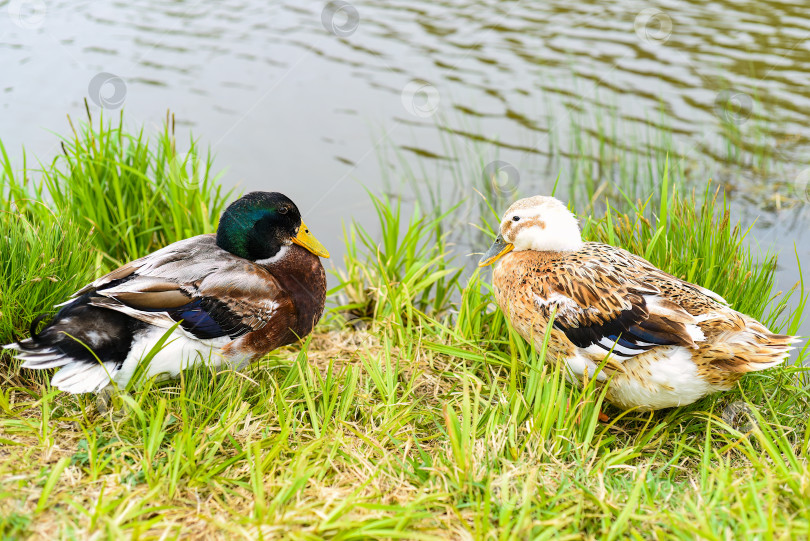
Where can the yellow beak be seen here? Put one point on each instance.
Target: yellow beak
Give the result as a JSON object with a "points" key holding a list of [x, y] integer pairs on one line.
{"points": [[498, 249], [304, 238]]}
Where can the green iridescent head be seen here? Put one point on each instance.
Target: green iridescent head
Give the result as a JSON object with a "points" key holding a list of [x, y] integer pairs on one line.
{"points": [[258, 224]]}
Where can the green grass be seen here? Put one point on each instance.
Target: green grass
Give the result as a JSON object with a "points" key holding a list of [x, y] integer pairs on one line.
{"points": [[413, 411], [43, 262], [130, 193]]}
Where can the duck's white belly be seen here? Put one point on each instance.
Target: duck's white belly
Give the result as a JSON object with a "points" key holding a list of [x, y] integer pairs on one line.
{"points": [[179, 352], [664, 377]]}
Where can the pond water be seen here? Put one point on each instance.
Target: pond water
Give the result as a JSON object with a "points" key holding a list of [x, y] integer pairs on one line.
{"points": [[319, 100]]}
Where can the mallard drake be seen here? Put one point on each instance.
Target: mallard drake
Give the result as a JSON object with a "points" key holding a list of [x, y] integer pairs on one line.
{"points": [[256, 285], [667, 342]]}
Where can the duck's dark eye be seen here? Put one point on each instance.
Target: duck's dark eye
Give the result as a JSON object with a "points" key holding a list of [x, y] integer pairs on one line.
{"points": [[283, 209], [515, 218]]}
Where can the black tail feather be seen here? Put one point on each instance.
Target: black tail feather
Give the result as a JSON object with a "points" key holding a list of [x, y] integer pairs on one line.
{"points": [[34, 324], [79, 326]]}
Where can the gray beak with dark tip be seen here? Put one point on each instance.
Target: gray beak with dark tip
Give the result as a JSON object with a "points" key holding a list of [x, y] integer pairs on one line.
{"points": [[498, 249]]}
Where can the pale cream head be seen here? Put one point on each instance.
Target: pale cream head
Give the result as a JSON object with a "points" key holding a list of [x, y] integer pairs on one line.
{"points": [[541, 223], [537, 223]]}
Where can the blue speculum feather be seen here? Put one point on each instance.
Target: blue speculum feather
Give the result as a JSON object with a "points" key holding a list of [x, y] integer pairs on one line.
{"points": [[198, 321], [207, 317], [641, 334], [623, 342]]}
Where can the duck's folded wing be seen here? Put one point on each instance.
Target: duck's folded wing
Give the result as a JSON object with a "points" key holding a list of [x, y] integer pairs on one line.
{"points": [[209, 291], [601, 311], [655, 275], [183, 261], [230, 303]]}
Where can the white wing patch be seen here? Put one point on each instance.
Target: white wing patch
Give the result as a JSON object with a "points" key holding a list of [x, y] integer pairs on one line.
{"points": [[557, 299], [179, 352], [579, 365], [669, 379]]}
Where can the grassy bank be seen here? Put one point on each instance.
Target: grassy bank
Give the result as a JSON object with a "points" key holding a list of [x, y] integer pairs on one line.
{"points": [[412, 412]]}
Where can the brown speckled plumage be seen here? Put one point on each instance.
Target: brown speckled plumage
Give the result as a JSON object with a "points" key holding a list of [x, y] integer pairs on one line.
{"points": [[669, 342]]}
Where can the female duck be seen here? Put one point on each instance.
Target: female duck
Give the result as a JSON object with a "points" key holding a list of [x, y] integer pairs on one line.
{"points": [[256, 285], [667, 342]]}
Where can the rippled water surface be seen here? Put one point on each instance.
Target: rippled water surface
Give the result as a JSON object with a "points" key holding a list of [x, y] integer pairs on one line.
{"points": [[318, 102]]}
